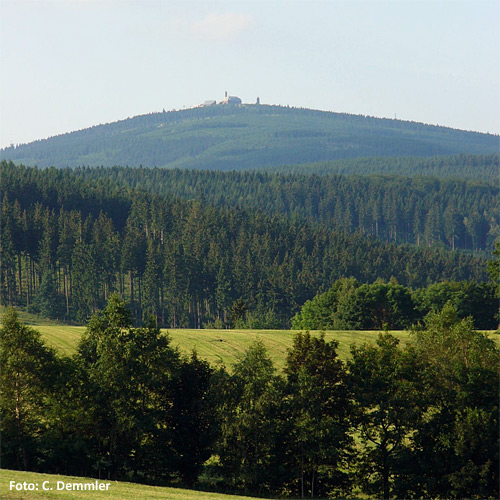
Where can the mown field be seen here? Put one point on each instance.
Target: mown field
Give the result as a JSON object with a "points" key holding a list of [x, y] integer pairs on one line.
{"points": [[116, 490], [218, 346], [222, 346]]}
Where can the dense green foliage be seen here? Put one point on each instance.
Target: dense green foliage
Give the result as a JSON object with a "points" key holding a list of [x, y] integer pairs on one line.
{"points": [[350, 305], [413, 422], [243, 137], [28, 373], [131, 426], [463, 166], [423, 211], [389, 389], [428, 413], [68, 244], [494, 267]]}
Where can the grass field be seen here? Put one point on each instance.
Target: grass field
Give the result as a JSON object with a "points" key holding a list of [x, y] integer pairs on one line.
{"points": [[221, 346], [116, 490], [217, 346], [228, 345]]}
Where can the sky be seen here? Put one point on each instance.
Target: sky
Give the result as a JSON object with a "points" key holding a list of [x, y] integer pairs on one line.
{"points": [[71, 64]]}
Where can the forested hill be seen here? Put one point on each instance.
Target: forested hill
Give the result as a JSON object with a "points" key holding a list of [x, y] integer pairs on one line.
{"points": [[245, 137], [67, 244]]}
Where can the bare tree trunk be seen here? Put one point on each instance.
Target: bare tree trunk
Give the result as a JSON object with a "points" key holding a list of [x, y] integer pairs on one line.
{"points": [[66, 291], [26, 265], [58, 279], [312, 484], [162, 306], [385, 475], [20, 278], [140, 299], [302, 476], [131, 289]]}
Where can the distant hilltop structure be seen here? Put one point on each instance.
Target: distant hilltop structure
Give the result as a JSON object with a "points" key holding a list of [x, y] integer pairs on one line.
{"points": [[228, 99]]}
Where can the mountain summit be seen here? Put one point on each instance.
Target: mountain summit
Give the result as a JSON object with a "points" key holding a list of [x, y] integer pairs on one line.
{"points": [[239, 137]]}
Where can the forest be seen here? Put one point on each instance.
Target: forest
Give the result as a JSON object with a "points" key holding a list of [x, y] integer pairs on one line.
{"points": [[69, 241], [338, 244], [246, 137], [463, 166], [413, 421], [424, 211]]}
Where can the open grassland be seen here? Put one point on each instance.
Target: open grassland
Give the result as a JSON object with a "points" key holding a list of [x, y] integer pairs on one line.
{"points": [[227, 346], [116, 490], [218, 346], [222, 346], [62, 337], [32, 319]]}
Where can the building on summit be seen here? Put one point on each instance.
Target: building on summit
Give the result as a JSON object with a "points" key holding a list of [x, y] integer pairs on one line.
{"points": [[230, 99]]}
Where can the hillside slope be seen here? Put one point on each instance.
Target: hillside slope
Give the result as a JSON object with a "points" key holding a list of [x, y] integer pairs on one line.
{"points": [[51, 486], [245, 137]]}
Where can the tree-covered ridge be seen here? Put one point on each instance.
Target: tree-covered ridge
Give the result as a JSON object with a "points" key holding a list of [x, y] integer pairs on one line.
{"points": [[68, 244], [463, 166], [456, 214], [245, 137]]}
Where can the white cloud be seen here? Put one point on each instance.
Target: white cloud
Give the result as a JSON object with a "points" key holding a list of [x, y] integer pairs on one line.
{"points": [[221, 26]]}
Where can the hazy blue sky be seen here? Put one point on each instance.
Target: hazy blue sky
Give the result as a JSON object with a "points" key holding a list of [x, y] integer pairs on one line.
{"points": [[71, 64]]}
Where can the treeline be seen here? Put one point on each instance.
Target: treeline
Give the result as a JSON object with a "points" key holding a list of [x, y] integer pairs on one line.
{"points": [[68, 244], [455, 214], [350, 305], [390, 422]]}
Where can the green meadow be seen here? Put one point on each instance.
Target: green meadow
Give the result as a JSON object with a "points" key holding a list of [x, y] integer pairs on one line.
{"points": [[222, 346], [218, 346], [116, 491]]}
